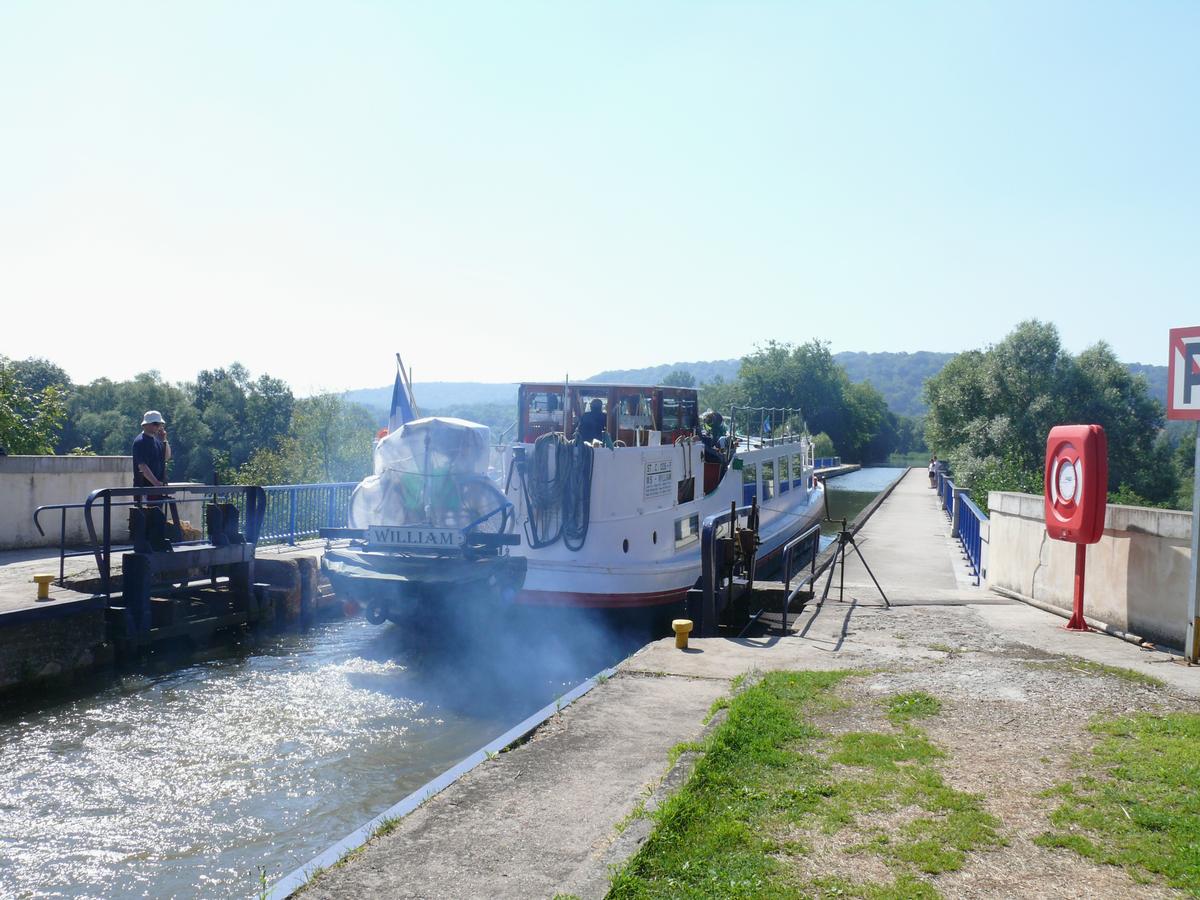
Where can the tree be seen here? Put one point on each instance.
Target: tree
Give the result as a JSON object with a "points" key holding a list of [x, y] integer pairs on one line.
{"points": [[720, 395], [991, 410], [29, 418], [680, 378], [37, 374], [855, 416]]}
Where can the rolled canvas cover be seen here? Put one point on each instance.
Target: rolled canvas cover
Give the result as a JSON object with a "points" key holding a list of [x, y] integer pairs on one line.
{"points": [[417, 471]]}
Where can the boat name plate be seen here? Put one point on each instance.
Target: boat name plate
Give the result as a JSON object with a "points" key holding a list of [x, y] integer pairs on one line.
{"points": [[658, 479], [414, 536]]}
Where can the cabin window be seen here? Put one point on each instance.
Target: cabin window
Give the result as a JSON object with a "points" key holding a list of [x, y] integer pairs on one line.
{"points": [[546, 407], [687, 530], [671, 414], [633, 412], [687, 415], [768, 480], [749, 483], [785, 482]]}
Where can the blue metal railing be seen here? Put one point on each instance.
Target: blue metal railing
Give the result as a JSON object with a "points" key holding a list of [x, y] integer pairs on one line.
{"points": [[967, 520], [827, 462], [970, 520], [299, 511]]}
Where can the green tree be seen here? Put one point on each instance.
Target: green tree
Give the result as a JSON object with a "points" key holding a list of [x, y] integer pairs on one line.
{"points": [[37, 374], [855, 416], [680, 378], [719, 394], [990, 412], [29, 419]]}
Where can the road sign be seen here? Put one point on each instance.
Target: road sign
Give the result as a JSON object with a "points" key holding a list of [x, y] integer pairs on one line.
{"points": [[1183, 378], [1183, 402]]}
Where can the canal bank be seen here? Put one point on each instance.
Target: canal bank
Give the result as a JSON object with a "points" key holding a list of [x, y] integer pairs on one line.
{"points": [[554, 814]]}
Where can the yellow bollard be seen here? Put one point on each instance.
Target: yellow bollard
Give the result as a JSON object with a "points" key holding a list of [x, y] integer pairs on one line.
{"points": [[682, 627], [43, 583]]}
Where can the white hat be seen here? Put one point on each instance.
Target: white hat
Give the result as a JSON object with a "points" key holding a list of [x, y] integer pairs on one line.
{"points": [[152, 417]]}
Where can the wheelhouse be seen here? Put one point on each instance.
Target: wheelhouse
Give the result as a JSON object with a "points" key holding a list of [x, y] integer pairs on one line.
{"points": [[636, 415]]}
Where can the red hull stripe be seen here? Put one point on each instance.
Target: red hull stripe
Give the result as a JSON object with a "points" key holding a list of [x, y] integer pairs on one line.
{"points": [[600, 601]]}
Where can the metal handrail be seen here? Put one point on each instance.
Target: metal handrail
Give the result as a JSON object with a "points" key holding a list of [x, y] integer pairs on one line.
{"points": [[708, 558], [164, 495], [970, 524], [789, 551]]}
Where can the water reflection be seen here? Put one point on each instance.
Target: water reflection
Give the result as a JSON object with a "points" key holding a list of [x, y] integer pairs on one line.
{"points": [[183, 784]]}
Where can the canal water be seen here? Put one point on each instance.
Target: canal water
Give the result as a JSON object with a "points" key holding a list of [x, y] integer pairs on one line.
{"points": [[850, 494], [207, 780]]}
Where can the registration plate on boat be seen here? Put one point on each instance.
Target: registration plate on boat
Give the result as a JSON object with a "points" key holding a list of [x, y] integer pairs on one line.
{"points": [[415, 536]]}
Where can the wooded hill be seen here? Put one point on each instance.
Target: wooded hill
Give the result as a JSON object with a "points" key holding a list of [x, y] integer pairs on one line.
{"points": [[898, 376]]}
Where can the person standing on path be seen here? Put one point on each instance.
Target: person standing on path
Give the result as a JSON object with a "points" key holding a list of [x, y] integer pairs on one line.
{"points": [[151, 451], [933, 471]]}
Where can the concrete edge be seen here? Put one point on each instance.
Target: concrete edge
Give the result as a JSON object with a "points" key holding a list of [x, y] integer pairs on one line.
{"points": [[298, 878], [630, 841], [1096, 624]]}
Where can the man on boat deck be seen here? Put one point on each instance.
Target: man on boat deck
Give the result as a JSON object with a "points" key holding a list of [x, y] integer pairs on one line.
{"points": [[593, 424]]}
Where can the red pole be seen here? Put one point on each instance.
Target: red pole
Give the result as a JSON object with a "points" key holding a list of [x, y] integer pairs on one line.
{"points": [[1077, 622]]}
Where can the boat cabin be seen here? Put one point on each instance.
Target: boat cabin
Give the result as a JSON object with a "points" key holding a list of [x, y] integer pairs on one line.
{"points": [[636, 415]]}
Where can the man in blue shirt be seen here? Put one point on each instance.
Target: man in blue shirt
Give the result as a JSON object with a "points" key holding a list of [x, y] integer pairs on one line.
{"points": [[151, 450]]}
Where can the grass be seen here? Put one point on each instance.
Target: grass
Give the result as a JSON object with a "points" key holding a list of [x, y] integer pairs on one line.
{"points": [[767, 774], [1095, 668], [1136, 803], [913, 705]]}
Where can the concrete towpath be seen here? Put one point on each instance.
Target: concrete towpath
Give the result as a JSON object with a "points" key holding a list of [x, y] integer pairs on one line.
{"points": [[553, 815]]}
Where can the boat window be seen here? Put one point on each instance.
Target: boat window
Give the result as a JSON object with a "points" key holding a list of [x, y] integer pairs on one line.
{"points": [[546, 406], [768, 480], [687, 414], [783, 469], [671, 414], [749, 473], [633, 412], [798, 465], [687, 530]]}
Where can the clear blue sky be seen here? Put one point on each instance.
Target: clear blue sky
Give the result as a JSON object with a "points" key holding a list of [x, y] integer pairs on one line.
{"points": [[521, 190]]}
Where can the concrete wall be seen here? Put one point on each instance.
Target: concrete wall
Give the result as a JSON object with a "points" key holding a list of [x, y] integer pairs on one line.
{"points": [[1137, 575], [27, 482]]}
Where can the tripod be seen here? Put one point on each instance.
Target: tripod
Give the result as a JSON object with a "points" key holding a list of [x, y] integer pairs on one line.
{"points": [[846, 539]]}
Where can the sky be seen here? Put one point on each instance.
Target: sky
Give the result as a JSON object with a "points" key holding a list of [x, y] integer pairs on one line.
{"points": [[518, 191]]}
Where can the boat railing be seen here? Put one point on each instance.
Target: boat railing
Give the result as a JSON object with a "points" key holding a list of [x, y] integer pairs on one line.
{"points": [[766, 425], [711, 564]]}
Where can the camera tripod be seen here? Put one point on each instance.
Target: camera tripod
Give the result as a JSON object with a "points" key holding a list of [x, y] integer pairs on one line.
{"points": [[845, 538]]}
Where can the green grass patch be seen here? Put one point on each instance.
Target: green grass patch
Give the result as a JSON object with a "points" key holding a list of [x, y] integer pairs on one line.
{"points": [[913, 705], [1137, 804], [730, 829], [1086, 666], [905, 887]]}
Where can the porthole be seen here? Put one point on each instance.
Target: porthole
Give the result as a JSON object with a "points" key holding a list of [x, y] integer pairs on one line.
{"points": [[625, 545], [654, 538]]}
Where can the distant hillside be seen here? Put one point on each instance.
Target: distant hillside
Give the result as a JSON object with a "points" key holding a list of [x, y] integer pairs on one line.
{"points": [[898, 376], [438, 395], [701, 371], [1157, 378]]}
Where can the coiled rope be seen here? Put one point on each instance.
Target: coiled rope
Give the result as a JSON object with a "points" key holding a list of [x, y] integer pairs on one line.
{"points": [[557, 483]]}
